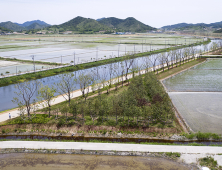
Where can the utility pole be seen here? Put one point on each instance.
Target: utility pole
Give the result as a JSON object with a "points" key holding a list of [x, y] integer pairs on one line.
{"points": [[118, 50], [142, 46], [150, 46], [145, 45], [96, 53], [33, 58], [74, 61]]}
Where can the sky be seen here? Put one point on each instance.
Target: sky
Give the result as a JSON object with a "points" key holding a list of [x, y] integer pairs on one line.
{"points": [[156, 13]]}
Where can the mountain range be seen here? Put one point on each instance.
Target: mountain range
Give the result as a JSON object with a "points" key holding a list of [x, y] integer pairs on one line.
{"points": [[36, 24], [84, 25], [107, 25], [183, 26]]}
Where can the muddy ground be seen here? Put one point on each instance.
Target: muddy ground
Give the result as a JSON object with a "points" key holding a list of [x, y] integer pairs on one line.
{"points": [[38, 161]]}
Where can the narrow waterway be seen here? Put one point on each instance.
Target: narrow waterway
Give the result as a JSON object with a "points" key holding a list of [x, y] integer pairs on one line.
{"points": [[109, 139]]}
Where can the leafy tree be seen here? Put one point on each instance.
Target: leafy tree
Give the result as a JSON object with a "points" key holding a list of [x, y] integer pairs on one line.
{"points": [[74, 108], [46, 94]]}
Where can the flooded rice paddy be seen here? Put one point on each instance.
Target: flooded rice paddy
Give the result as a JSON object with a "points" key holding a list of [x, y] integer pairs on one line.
{"points": [[11, 67], [206, 77], [197, 95], [89, 162], [201, 111]]}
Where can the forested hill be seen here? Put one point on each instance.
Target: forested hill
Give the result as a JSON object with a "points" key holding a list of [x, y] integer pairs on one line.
{"points": [[11, 26], [218, 31], [104, 24], [36, 24], [28, 23], [129, 24], [82, 25], [2, 29], [182, 26]]}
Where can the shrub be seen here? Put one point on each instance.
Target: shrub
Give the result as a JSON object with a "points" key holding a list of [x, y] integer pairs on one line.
{"points": [[3, 131], [208, 162]]}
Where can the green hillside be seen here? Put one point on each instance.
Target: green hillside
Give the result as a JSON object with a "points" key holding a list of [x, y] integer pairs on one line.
{"points": [[82, 25], [218, 31], [11, 26], [2, 29], [111, 22], [129, 24], [35, 26]]}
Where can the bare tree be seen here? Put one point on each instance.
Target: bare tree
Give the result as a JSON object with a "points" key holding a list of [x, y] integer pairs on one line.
{"points": [[177, 57], [153, 61], [134, 68], [103, 76], [66, 86], [193, 51], [25, 97], [84, 81], [167, 59], [180, 55], [183, 55], [146, 63], [128, 64], [161, 60], [122, 71], [111, 72], [173, 57], [117, 72], [186, 53], [205, 47]]}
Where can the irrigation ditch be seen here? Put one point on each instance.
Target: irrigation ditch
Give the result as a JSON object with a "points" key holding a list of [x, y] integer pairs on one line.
{"points": [[119, 138]]}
